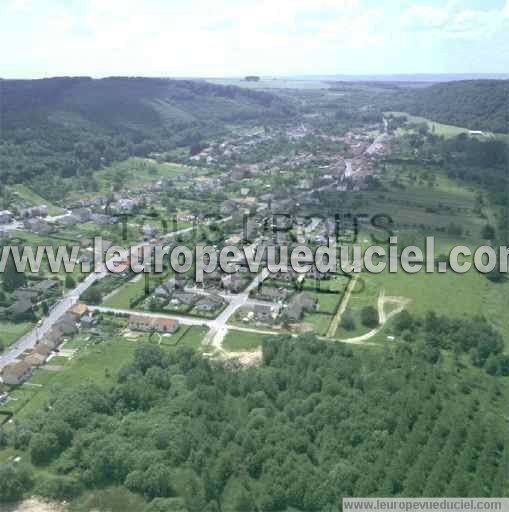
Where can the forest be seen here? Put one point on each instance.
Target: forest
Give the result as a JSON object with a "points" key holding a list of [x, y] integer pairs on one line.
{"points": [[66, 127], [316, 422], [474, 104]]}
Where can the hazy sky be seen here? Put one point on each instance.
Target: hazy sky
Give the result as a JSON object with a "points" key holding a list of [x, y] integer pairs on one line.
{"points": [[236, 37]]}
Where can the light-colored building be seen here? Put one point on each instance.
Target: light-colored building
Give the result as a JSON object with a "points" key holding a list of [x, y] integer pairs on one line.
{"points": [[148, 324], [5, 217], [79, 310]]}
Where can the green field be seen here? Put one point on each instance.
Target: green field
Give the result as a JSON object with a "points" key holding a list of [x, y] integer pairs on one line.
{"points": [[319, 321], [120, 299], [98, 364], [240, 341], [328, 302], [10, 331], [33, 199], [450, 294], [193, 337], [272, 83], [446, 130], [136, 172], [421, 202], [59, 361]]}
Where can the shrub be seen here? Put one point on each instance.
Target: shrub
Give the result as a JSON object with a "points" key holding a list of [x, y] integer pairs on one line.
{"points": [[347, 321], [369, 316]]}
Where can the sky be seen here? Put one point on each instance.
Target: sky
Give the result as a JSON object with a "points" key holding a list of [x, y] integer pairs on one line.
{"points": [[228, 38]]}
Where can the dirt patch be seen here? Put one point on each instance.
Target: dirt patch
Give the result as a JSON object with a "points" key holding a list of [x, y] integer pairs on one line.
{"points": [[132, 334], [244, 359], [302, 327]]}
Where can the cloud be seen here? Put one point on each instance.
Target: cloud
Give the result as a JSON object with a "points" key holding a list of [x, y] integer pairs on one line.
{"points": [[425, 17], [505, 11], [21, 5], [454, 22], [234, 37], [353, 32]]}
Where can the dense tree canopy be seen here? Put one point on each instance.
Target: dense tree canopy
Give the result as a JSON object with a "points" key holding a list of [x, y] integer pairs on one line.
{"points": [[474, 104], [316, 422]]}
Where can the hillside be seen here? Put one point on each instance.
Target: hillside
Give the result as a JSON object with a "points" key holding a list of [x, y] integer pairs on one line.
{"points": [[67, 126], [132, 104], [474, 104]]}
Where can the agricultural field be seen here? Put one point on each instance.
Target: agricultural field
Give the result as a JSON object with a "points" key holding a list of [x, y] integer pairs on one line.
{"points": [[136, 172], [445, 130], [190, 336], [455, 295], [435, 206], [319, 322], [273, 83], [31, 198], [98, 364], [133, 290]]}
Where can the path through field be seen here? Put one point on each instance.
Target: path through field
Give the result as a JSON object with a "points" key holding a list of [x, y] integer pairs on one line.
{"points": [[383, 317], [333, 326]]}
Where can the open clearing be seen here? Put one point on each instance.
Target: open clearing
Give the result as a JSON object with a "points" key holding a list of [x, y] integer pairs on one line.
{"points": [[446, 130]]}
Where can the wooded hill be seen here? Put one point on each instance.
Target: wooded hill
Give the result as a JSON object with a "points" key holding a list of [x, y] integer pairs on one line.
{"points": [[63, 126], [129, 104], [474, 104]]}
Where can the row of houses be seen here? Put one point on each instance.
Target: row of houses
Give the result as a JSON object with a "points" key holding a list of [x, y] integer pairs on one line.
{"points": [[18, 372]]}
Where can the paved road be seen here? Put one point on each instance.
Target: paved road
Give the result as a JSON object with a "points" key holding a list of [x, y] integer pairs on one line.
{"points": [[217, 326], [12, 226], [348, 168], [29, 340], [186, 320], [375, 146]]}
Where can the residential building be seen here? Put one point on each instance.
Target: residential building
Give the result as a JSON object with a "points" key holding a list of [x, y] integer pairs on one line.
{"points": [[149, 324], [266, 312], [45, 286], [272, 294], [232, 282], [79, 310], [184, 298], [300, 304], [5, 217], [16, 373], [83, 214], [39, 355], [210, 303], [149, 231], [35, 211], [38, 225]]}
